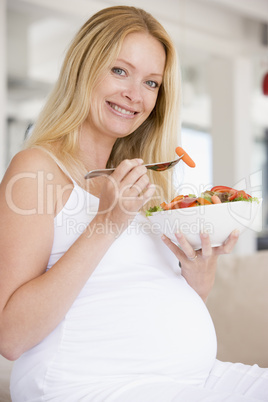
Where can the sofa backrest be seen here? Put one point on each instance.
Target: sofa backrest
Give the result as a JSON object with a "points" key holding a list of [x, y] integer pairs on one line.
{"points": [[238, 304]]}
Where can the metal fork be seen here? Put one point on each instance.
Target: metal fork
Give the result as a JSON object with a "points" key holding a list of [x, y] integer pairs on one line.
{"points": [[158, 167]]}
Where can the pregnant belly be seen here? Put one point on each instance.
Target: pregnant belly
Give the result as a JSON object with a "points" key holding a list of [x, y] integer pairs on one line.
{"points": [[154, 327]]}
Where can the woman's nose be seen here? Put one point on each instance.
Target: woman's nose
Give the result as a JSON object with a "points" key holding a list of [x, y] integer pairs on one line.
{"points": [[133, 93]]}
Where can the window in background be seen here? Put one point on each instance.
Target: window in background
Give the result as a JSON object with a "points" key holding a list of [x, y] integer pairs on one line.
{"points": [[260, 164], [16, 128], [198, 144]]}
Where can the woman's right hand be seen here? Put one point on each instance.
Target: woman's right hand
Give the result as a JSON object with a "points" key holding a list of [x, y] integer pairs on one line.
{"points": [[124, 193]]}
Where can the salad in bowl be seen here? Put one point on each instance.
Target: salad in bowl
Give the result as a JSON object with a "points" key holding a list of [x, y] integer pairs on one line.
{"points": [[217, 212]]}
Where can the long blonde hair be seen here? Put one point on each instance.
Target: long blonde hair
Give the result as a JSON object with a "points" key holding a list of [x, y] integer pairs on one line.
{"points": [[92, 52]]}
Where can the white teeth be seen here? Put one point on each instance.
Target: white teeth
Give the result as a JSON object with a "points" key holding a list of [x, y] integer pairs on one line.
{"points": [[119, 109]]}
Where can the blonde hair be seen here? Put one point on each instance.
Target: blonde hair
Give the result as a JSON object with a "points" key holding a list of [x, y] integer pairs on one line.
{"points": [[92, 52]]}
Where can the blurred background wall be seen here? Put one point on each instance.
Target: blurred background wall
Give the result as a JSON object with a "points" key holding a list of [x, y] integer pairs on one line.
{"points": [[223, 51]]}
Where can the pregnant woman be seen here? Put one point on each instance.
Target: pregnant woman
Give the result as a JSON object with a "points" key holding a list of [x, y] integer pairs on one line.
{"points": [[93, 304]]}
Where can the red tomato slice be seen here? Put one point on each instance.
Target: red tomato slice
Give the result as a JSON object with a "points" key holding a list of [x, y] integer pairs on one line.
{"points": [[222, 188], [233, 194]]}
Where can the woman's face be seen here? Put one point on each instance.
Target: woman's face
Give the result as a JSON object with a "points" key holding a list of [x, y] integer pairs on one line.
{"points": [[125, 97]]}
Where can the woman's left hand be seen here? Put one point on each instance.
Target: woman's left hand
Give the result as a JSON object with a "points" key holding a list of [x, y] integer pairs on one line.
{"points": [[198, 267]]}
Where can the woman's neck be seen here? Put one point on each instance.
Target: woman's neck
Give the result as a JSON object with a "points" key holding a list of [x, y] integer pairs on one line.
{"points": [[94, 150]]}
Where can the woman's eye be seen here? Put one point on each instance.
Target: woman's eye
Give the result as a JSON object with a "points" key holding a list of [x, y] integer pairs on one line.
{"points": [[118, 71], [152, 84]]}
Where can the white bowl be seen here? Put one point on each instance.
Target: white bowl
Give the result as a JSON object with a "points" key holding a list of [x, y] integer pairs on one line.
{"points": [[218, 220]]}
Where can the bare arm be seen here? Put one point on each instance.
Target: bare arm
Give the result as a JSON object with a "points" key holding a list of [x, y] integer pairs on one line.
{"points": [[32, 301]]}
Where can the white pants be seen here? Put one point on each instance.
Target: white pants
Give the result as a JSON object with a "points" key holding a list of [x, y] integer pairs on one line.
{"points": [[228, 382]]}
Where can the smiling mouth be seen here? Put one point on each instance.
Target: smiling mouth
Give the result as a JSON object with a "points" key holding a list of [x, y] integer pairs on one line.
{"points": [[121, 110]]}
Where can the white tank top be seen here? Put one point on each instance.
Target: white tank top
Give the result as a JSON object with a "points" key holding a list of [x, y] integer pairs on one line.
{"points": [[136, 318]]}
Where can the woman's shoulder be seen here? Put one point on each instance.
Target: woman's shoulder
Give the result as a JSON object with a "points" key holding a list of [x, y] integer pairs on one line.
{"points": [[33, 162], [32, 176], [32, 159]]}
